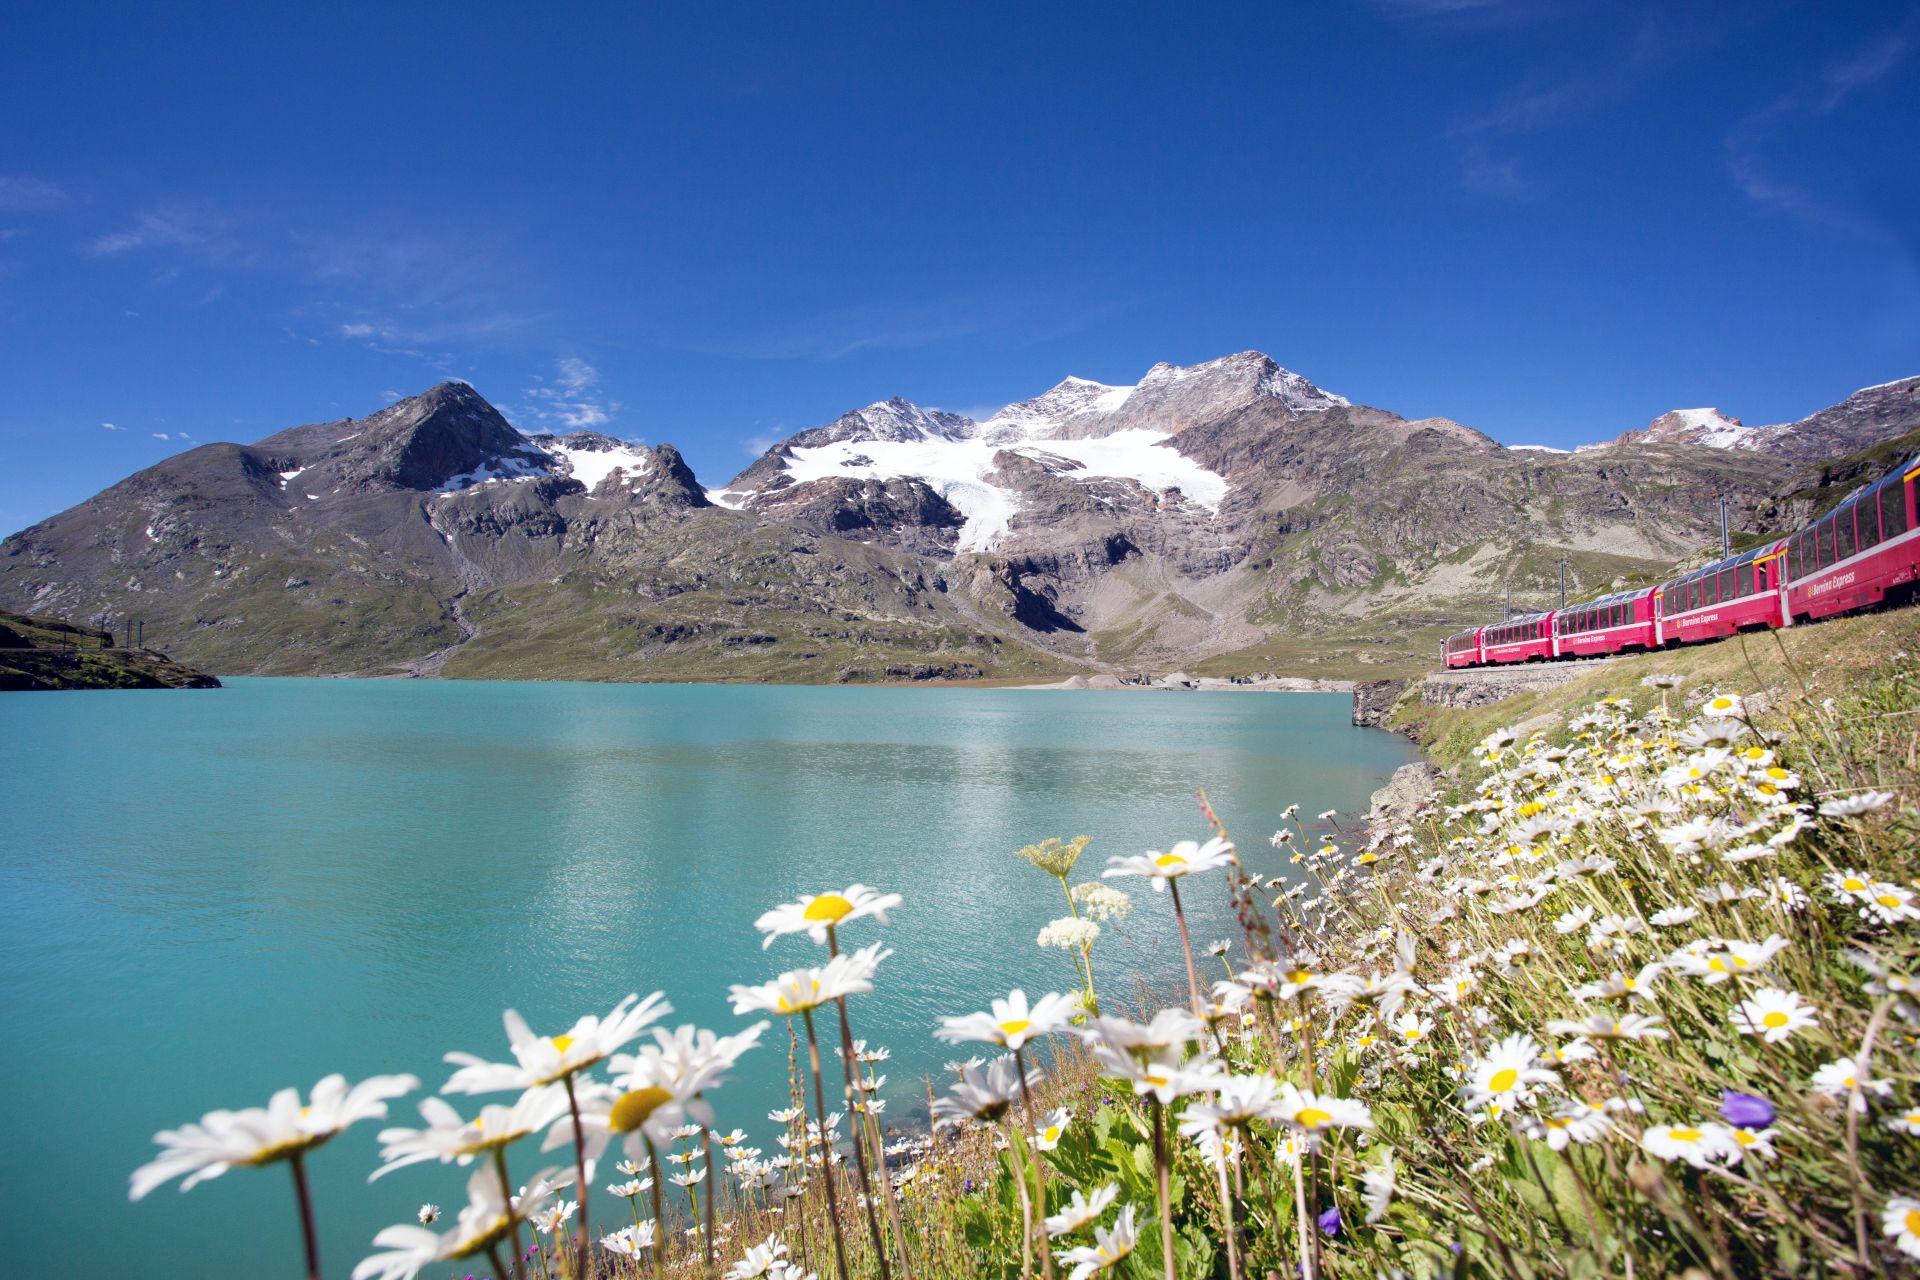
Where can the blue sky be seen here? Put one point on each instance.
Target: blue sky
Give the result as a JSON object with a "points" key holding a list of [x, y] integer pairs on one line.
{"points": [[1549, 219]]}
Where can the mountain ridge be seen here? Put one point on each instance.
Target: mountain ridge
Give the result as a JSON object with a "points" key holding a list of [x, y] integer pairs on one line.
{"points": [[1229, 512]]}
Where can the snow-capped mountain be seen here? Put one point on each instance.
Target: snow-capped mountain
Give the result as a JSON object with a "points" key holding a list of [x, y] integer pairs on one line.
{"points": [[1120, 444], [1863, 418], [1708, 427]]}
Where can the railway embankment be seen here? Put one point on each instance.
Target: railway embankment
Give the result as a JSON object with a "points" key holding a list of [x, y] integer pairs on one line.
{"points": [[1794, 671]]}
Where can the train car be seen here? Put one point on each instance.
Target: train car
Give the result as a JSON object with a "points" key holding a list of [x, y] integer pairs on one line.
{"points": [[1856, 554], [1463, 649], [1525, 639], [1739, 593], [1611, 624]]}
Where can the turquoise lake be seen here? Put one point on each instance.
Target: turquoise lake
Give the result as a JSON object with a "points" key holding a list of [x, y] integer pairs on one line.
{"points": [[214, 895]]}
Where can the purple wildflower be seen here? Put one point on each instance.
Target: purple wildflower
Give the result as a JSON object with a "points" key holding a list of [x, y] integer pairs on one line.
{"points": [[1330, 1222], [1744, 1110]]}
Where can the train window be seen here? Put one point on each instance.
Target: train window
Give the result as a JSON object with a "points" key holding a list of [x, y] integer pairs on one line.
{"points": [[1867, 512], [1844, 543], [1823, 543], [1743, 580], [1727, 591], [1893, 509]]}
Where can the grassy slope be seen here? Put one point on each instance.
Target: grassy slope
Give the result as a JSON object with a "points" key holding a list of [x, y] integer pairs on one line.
{"points": [[36, 656], [1816, 661]]}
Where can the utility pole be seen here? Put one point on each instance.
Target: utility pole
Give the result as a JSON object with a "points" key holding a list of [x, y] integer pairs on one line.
{"points": [[1726, 548], [1563, 584]]}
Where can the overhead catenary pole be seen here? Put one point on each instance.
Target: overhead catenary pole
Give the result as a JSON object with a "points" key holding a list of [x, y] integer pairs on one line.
{"points": [[1726, 548], [1563, 583]]}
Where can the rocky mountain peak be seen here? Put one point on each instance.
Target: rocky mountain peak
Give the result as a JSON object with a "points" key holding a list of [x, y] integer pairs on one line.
{"points": [[422, 442], [1051, 413], [1174, 397], [1708, 427]]}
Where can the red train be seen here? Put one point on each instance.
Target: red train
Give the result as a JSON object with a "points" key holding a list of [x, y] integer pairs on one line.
{"points": [[1854, 557]]}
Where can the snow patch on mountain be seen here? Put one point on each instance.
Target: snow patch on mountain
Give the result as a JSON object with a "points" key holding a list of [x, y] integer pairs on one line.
{"points": [[1535, 448], [1046, 414], [592, 461], [1709, 427], [961, 472], [507, 467]]}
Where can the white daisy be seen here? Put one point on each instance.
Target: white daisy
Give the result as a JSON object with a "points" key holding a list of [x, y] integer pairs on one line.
{"points": [[282, 1129], [1012, 1023], [1774, 1014], [815, 913]]}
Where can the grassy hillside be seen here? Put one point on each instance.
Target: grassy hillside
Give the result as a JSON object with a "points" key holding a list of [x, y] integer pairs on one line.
{"points": [[1798, 666], [46, 653]]}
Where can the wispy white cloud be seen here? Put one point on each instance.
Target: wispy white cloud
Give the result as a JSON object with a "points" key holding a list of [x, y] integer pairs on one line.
{"points": [[1869, 66], [1750, 142], [206, 234], [108, 426], [568, 400], [21, 193]]}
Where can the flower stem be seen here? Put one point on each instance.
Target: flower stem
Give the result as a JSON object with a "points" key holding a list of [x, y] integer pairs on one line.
{"points": [[859, 1147], [713, 1192], [1186, 946], [580, 1171], [1160, 1179], [659, 1214], [1039, 1167], [306, 1216], [1226, 1208], [506, 1189], [826, 1165]]}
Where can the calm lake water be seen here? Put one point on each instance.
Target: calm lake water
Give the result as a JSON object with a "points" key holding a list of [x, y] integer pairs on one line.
{"points": [[213, 895]]}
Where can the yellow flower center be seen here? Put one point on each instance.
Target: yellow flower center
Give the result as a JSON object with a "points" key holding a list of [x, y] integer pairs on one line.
{"points": [[1852, 885], [1051, 1133], [1503, 1080], [1774, 1019], [1913, 1222], [633, 1109], [1744, 1138], [562, 1043], [1012, 1029], [828, 907], [1169, 860], [1312, 1117], [1684, 1135], [1413, 1033], [1298, 976], [1887, 900]]}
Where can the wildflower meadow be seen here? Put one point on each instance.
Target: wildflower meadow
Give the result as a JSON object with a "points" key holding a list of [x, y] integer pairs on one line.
{"points": [[1636, 997]]}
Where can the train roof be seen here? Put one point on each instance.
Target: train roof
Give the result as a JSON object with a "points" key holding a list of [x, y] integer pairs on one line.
{"points": [[1745, 557], [1617, 597]]}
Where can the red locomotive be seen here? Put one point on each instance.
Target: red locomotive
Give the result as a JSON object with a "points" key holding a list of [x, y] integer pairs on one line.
{"points": [[1854, 557]]}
